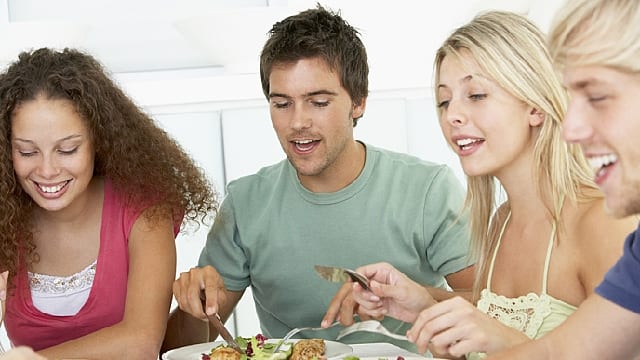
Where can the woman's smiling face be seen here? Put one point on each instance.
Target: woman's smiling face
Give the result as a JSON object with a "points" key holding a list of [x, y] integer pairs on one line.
{"points": [[52, 151], [487, 127]]}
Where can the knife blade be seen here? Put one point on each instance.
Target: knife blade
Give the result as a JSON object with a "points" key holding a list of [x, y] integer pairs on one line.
{"points": [[217, 323], [222, 331], [338, 274]]}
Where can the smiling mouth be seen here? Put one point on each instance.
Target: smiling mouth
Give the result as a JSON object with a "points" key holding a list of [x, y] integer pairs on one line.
{"points": [[600, 163], [52, 189], [304, 145], [466, 144]]}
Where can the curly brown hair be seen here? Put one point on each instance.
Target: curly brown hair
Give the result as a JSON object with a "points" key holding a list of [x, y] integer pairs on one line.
{"points": [[144, 164]]}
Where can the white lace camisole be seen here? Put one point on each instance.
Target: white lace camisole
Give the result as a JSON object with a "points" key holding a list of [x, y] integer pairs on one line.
{"points": [[61, 295]]}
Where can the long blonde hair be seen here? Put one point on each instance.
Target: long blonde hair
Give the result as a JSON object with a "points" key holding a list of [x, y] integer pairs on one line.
{"points": [[511, 50], [597, 32]]}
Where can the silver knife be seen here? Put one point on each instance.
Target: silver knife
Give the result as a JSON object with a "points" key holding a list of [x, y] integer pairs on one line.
{"points": [[338, 274], [217, 323], [222, 331]]}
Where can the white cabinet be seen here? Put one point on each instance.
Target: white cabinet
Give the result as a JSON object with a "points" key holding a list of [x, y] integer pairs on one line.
{"points": [[199, 135], [249, 141]]}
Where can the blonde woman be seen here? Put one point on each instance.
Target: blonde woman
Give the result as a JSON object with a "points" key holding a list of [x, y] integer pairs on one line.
{"points": [[544, 249], [596, 45]]}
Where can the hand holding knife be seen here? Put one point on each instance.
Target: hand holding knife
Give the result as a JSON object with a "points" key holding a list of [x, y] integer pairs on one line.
{"points": [[218, 325]]}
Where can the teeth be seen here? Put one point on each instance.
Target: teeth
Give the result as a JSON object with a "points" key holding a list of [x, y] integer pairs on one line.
{"points": [[303, 145], [52, 189], [464, 143], [598, 162]]}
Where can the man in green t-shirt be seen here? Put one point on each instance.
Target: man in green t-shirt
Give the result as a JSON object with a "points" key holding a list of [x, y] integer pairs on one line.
{"points": [[334, 201]]}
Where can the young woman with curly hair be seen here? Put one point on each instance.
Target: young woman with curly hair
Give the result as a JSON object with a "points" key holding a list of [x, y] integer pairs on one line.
{"points": [[93, 194]]}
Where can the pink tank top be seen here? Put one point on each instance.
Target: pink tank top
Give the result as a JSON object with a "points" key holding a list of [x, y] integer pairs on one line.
{"points": [[26, 325]]}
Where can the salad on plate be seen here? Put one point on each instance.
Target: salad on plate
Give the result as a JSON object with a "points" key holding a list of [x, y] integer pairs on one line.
{"points": [[260, 348]]}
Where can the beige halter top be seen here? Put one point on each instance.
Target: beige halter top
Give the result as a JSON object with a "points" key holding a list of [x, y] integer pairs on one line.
{"points": [[532, 314]]}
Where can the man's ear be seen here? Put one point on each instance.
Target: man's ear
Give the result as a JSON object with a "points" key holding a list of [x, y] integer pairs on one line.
{"points": [[358, 109], [536, 117]]}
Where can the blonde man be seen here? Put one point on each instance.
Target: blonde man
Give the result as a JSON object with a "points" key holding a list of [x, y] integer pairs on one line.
{"points": [[596, 45]]}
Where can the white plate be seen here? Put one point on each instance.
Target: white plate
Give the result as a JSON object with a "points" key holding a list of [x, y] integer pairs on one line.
{"points": [[333, 349], [396, 357]]}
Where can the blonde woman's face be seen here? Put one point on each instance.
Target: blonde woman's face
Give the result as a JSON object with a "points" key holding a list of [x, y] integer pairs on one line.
{"points": [[52, 153], [488, 128], [604, 118]]}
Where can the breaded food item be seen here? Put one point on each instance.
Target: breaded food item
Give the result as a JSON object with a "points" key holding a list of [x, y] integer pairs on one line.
{"points": [[308, 349], [224, 353]]}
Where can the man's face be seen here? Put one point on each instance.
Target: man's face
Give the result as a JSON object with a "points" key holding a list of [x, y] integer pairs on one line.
{"points": [[312, 115], [604, 118]]}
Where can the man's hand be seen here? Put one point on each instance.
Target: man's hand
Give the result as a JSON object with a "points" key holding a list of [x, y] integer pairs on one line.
{"points": [[343, 307], [188, 287]]}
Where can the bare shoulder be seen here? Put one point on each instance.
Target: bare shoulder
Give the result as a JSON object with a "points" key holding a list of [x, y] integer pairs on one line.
{"points": [[597, 239], [593, 224]]}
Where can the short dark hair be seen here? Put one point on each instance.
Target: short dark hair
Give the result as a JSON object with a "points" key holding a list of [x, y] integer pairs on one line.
{"points": [[319, 33]]}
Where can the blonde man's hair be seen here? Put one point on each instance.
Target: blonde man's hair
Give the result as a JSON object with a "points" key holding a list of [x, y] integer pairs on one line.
{"points": [[511, 50], [597, 32]]}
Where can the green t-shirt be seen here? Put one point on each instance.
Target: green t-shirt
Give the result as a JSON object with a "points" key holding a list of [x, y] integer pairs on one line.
{"points": [[270, 231]]}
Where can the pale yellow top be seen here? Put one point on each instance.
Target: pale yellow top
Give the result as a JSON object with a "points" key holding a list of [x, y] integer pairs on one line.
{"points": [[532, 314]]}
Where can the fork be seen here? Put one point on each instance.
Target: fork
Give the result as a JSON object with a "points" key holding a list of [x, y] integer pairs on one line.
{"points": [[370, 326], [297, 330]]}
